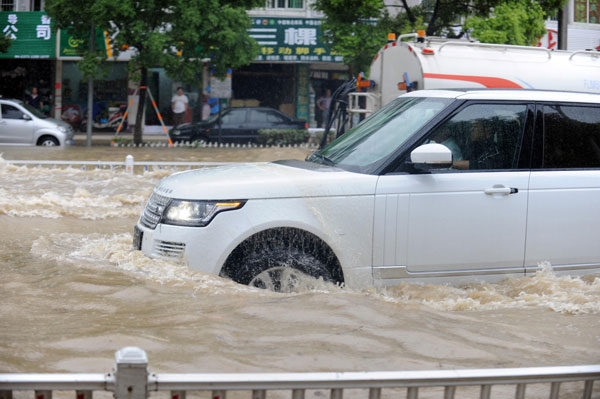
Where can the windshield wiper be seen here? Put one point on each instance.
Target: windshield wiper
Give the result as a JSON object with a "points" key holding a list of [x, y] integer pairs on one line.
{"points": [[320, 158]]}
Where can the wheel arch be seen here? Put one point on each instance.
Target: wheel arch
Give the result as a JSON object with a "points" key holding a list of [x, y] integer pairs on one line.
{"points": [[44, 135], [296, 237]]}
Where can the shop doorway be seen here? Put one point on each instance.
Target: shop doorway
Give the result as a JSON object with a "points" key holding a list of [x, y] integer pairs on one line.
{"points": [[18, 77], [265, 85]]}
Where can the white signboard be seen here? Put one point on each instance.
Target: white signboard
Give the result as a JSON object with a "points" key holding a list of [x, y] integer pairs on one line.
{"points": [[220, 88]]}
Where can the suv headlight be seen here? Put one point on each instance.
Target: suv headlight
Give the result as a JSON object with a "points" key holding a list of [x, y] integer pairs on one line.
{"points": [[196, 213], [63, 128]]}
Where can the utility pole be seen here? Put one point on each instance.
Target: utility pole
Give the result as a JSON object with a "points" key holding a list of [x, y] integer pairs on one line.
{"points": [[563, 24], [90, 100]]}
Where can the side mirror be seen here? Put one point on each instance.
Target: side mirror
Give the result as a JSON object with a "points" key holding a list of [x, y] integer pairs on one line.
{"points": [[26, 117], [431, 156]]}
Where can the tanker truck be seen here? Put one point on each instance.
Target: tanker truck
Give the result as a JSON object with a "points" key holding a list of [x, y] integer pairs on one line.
{"points": [[415, 62]]}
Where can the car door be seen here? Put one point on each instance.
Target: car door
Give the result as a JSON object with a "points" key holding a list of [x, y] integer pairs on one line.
{"points": [[14, 128], [257, 120], [233, 125], [466, 220], [564, 201]]}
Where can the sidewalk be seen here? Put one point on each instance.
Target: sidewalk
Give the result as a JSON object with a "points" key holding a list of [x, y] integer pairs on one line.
{"points": [[105, 138]]}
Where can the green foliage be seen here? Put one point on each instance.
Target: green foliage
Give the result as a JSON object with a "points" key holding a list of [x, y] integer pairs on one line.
{"points": [[4, 43], [282, 136], [174, 34], [178, 35], [351, 30], [357, 29], [518, 22]]}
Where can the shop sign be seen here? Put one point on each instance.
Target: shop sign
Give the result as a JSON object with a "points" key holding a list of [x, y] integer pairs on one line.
{"points": [[303, 92], [70, 46], [32, 32], [290, 40]]}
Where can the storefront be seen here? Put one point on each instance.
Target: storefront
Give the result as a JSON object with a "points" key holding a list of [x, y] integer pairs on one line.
{"points": [[292, 70], [31, 58]]}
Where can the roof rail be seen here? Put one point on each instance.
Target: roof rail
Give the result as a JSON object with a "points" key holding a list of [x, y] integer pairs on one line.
{"points": [[404, 36], [588, 52], [493, 45]]}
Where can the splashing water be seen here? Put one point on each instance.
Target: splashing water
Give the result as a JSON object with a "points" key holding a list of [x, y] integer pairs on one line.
{"points": [[54, 193], [564, 294], [544, 289]]}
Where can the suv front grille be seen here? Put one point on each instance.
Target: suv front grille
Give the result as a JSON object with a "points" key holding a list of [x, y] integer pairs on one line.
{"points": [[154, 210]]}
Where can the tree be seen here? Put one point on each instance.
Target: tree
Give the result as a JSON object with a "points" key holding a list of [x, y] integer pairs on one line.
{"points": [[357, 29], [4, 43], [517, 22], [174, 34]]}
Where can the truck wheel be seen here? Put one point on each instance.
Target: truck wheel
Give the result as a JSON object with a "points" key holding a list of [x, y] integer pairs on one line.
{"points": [[48, 141], [280, 269]]}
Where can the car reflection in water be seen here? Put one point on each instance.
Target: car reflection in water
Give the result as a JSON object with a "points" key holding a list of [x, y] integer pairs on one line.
{"points": [[238, 125]]}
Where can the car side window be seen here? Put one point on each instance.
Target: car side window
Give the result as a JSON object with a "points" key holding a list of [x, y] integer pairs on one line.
{"points": [[275, 118], [258, 116], [11, 112], [234, 117], [483, 136], [571, 137]]}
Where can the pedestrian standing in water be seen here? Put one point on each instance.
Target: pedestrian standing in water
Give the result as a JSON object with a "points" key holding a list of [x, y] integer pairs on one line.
{"points": [[34, 99], [179, 106]]}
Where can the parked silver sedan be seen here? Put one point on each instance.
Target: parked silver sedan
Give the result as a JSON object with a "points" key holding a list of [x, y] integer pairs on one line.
{"points": [[21, 124]]}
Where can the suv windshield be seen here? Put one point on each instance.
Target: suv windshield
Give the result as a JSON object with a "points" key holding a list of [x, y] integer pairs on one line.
{"points": [[365, 147]]}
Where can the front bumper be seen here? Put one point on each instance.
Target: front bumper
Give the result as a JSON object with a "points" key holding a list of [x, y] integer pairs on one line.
{"points": [[202, 248]]}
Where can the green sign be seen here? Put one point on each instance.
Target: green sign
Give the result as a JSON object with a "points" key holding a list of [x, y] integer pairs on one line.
{"points": [[32, 32], [70, 46], [291, 40], [303, 92]]}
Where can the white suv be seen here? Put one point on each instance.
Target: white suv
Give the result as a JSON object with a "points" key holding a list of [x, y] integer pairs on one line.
{"points": [[436, 186]]}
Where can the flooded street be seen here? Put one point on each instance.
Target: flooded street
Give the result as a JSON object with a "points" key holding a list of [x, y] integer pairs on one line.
{"points": [[73, 292]]}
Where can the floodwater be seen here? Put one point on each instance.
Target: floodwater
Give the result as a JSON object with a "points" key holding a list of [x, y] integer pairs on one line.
{"points": [[73, 292]]}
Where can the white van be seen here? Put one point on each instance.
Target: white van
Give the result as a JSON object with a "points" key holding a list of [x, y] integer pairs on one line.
{"points": [[442, 185]]}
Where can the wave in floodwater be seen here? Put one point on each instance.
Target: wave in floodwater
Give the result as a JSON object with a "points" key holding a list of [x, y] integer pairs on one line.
{"points": [[544, 289], [93, 194]]}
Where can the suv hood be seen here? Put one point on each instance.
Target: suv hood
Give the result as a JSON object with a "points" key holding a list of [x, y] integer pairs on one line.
{"points": [[265, 180]]}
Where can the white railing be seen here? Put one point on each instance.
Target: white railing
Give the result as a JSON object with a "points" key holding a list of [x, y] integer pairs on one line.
{"points": [[130, 379]]}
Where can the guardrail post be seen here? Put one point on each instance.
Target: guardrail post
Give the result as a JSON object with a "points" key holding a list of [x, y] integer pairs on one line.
{"points": [[131, 373], [587, 389]]}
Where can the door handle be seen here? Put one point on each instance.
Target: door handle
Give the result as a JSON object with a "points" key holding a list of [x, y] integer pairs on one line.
{"points": [[500, 189]]}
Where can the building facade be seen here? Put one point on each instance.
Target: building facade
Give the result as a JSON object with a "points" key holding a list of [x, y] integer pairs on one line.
{"points": [[583, 27], [293, 68]]}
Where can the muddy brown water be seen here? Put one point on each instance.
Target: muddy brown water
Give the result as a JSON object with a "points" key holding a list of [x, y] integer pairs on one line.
{"points": [[73, 292]]}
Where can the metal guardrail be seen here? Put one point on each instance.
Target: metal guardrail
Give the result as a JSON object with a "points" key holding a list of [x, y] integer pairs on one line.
{"points": [[130, 379]]}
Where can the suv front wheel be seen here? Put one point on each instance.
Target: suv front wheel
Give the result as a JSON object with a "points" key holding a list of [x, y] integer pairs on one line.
{"points": [[283, 269], [47, 141]]}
